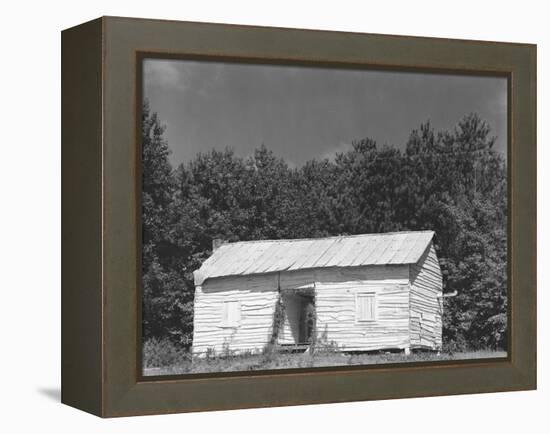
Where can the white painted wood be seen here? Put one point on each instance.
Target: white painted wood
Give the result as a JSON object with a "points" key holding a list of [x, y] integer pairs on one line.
{"points": [[337, 316], [406, 309], [231, 313], [257, 296], [426, 313], [365, 306]]}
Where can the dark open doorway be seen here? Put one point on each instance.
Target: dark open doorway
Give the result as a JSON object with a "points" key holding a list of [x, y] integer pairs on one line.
{"points": [[299, 318]]}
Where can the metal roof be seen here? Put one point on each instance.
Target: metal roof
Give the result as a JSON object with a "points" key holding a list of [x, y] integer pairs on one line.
{"points": [[266, 256]]}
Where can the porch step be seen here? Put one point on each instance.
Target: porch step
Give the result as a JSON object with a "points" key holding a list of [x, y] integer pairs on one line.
{"points": [[293, 348]]}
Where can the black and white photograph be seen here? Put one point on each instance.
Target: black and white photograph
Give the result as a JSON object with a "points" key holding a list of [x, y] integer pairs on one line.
{"points": [[263, 216], [302, 216]]}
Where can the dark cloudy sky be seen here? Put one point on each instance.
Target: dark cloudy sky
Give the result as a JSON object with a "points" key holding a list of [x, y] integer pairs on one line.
{"points": [[304, 113]]}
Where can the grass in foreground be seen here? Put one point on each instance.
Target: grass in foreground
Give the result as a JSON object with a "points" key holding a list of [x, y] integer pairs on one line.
{"points": [[180, 362]]}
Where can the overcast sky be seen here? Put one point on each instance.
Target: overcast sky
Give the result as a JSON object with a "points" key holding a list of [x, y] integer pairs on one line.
{"points": [[303, 113]]}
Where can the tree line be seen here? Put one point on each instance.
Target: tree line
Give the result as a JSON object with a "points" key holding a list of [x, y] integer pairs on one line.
{"points": [[452, 182]]}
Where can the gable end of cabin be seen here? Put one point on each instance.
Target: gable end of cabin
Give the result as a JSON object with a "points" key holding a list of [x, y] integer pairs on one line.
{"points": [[426, 308]]}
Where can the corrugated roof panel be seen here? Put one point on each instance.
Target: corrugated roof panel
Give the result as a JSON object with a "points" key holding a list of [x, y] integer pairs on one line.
{"points": [[212, 259], [260, 253], [208, 265], [355, 258], [329, 253], [318, 248], [296, 253], [357, 246], [280, 259], [347, 245], [418, 247], [392, 246], [309, 248], [252, 253], [275, 253], [402, 253], [237, 257], [371, 248], [226, 266], [254, 257], [418, 241], [265, 258], [381, 251], [304, 246]]}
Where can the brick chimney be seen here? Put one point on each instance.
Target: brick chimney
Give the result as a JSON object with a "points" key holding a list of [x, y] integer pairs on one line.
{"points": [[216, 243]]}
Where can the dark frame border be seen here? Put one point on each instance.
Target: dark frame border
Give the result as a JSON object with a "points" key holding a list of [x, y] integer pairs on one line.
{"points": [[112, 387]]}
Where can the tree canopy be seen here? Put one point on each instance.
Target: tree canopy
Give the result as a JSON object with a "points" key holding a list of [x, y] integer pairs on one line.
{"points": [[451, 182]]}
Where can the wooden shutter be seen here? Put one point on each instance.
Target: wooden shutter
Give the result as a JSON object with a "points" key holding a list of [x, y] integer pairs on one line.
{"points": [[231, 314], [366, 307]]}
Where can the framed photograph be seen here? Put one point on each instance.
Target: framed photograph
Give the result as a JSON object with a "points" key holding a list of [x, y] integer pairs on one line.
{"points": [[262, 217]]}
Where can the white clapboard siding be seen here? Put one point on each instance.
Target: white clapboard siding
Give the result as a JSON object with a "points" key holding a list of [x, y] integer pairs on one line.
{"points": [[256, 296], [335, 292], [298, 279], [235, 311], [335, 302], [426, 287]]}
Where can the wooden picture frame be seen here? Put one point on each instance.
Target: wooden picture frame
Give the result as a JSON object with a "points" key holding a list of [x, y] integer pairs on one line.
{"points": [[101, 358]]}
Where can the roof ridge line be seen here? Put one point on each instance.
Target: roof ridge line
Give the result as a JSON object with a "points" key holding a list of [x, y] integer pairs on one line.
{"points": [[327, 238]]}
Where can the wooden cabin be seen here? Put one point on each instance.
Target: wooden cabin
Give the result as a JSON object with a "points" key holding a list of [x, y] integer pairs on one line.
{"points": [[358, 293]]}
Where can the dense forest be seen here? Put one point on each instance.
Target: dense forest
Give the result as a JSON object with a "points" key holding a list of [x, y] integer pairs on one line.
{"points": [[451, 182]]}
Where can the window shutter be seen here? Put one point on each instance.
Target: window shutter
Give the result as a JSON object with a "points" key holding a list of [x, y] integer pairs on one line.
{"points": [[366, 307], [231, 314]]}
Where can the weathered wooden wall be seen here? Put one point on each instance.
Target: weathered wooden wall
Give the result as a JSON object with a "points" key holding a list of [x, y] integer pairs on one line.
{"points": [[336, 291], [426, 286], [257, 294], [407, 311]]}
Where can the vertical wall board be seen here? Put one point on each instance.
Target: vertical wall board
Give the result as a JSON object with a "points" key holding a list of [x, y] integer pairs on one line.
{"points": [[426, 303], [257, 296]]}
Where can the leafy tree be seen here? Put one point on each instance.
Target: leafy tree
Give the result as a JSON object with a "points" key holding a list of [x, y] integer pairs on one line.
{"points": [[166, 304], [452, 182]]}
